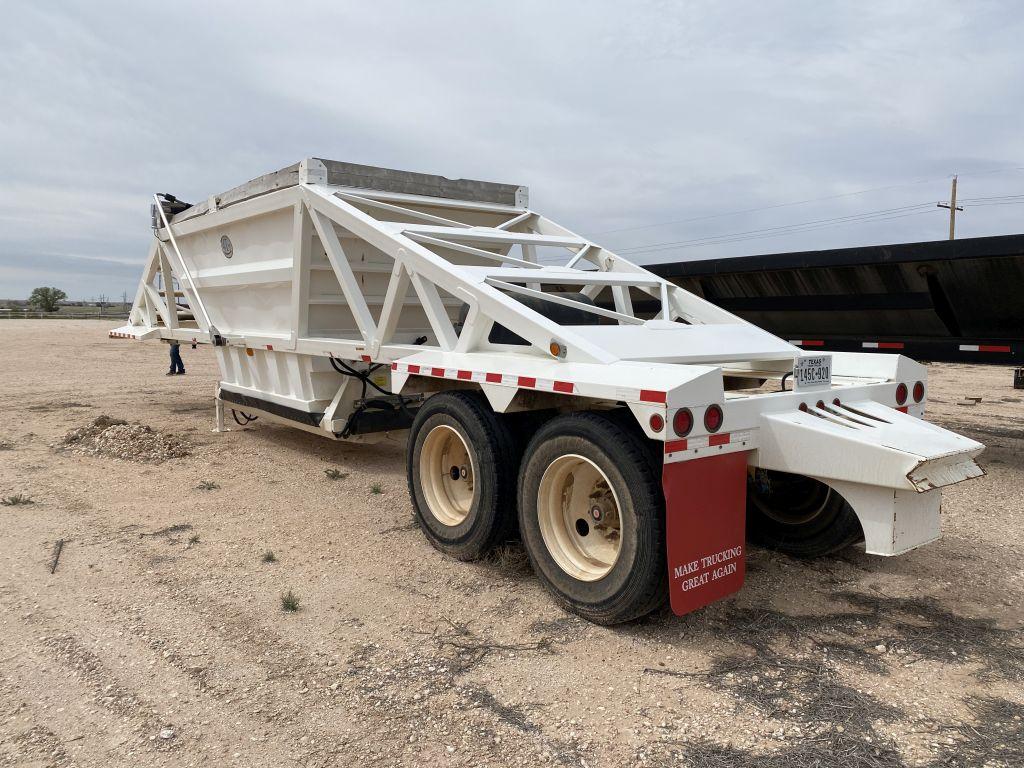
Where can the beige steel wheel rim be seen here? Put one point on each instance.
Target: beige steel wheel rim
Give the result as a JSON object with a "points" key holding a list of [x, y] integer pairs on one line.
{"points": [[447, 475], [579, 516]]}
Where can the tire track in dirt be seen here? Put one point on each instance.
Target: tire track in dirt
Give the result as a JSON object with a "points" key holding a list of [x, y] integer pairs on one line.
{"points": [[67, 691], [378, 688], [166, 650], [265, 656], [27, 738]]}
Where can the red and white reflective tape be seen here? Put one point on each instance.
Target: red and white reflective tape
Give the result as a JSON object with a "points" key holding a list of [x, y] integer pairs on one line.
{"points": [[984, 347], [487, 377], [882, 344], [702, 441], [807, 342], [116, 335]]}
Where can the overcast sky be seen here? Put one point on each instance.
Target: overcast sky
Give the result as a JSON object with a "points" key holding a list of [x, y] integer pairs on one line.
{"points": [[618, 116]]}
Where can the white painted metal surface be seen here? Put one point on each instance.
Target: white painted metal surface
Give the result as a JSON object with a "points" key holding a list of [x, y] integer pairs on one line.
{"points": [[304, 265]]}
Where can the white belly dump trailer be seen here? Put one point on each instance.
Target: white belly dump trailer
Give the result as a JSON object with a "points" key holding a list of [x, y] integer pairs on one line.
{"points": [[634, 455]]}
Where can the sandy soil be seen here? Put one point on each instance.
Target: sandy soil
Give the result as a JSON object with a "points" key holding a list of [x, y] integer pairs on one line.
{"points": [[160, 640]]}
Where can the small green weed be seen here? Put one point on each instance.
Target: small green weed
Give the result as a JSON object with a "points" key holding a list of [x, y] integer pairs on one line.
{"points": [[376, 488], [335, 474], [289, 602], [16, 500], [269, 557], [207, 485]]}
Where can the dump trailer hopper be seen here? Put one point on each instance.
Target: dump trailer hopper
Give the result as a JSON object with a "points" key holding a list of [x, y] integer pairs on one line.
{"points": [[633, 454]]}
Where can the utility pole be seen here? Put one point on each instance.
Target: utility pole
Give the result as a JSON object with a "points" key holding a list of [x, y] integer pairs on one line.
{"points": [[953, 208]]}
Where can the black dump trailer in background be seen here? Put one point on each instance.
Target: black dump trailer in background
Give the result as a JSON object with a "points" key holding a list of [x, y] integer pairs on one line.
{"points": [[947, 300]]}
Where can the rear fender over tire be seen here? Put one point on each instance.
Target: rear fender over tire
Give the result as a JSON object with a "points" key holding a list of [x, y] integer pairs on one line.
{"points": [[798, 515]]}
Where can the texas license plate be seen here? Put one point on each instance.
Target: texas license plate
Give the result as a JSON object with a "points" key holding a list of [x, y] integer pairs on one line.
{"points": [[812, 372]]}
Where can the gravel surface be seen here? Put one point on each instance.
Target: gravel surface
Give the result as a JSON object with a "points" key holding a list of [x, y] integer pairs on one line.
{"points": [[160, 639], [117, 439]]}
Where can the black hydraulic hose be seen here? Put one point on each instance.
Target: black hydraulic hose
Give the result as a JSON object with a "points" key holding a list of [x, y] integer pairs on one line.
{"points": [[347, 370], [364, 378], [352, 420], [246, 416], [784, 377], [350, 372]]}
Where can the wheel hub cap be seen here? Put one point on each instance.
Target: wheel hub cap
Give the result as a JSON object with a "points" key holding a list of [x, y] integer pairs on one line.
{"points": [[579, 517], [446, 475]]}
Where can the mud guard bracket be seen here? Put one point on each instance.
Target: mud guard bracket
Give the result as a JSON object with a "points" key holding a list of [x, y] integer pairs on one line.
{"points": [[705, 526]]}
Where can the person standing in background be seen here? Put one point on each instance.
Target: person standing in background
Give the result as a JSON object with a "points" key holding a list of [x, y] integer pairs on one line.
{"points": [[177, 366]]}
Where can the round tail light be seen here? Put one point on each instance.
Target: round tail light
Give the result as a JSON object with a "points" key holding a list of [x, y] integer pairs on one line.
{"points": [[657, 422], [918, 391], [682, 422], [713, 418], [836, 402], [821, 404], [803, 407], [901, 394]]}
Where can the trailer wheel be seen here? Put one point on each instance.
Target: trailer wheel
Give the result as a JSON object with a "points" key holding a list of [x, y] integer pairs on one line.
{"points": [[798, 515], [461, 470], [591, 517]]}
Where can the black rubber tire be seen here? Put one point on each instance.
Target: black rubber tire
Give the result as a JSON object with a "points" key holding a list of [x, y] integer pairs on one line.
{"points": [[491, 519], [832, 524], [638, 582]]}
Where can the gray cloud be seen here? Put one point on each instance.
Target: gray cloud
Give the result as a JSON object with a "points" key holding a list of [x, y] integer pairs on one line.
{"points": [[616, 115]]}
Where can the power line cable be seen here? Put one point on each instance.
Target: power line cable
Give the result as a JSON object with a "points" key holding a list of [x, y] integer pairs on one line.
{"points": [[800, 202], [726, 240], [766, 207], [994, 202], [865, 215]]}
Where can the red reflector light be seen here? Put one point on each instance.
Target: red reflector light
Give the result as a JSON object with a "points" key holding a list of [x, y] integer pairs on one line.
{"points": [[821, 404], [836, 402], [713, 418], [901, 394], [919, 392], [803, 407], [657, 422], [682, 422]]}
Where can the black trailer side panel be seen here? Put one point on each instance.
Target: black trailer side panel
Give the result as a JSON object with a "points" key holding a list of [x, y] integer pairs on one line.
{"points": [[932, 300]]}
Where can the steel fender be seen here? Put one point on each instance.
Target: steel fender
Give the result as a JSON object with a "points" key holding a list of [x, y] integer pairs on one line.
{"points": [[866, 443], [894, 521], [892, 368], [705, 528]]}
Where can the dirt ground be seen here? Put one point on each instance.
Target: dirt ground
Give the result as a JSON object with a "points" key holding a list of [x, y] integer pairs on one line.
{"points": [[160, 639]]}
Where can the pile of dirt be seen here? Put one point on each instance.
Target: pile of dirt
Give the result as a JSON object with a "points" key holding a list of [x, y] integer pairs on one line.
{"points": [[118, 439]]}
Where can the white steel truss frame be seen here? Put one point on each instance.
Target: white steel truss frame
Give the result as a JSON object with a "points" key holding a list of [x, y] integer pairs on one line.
{"points": [[418, 242]]}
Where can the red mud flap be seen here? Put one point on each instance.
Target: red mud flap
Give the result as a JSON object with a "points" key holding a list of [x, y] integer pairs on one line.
{"points": [[705, 506]]}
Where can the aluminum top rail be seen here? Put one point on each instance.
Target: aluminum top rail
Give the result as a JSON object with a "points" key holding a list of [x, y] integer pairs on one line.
{"points": [[336, 173]]}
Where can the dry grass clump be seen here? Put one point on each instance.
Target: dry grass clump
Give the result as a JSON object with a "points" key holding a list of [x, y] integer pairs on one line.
{"points": [[17, 500]]}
